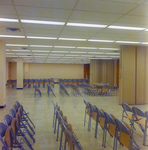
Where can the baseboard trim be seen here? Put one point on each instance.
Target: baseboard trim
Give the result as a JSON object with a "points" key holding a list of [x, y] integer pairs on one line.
{"points": [[2, 106]]}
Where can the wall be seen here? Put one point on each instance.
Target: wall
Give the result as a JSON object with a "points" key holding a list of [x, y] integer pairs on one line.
{"points": [[87, 71], [102, 71], [133, 75], [48, 70]]}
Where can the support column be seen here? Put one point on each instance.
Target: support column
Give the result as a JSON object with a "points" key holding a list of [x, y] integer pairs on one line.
{"points": [[19, 73], [2, 74]]}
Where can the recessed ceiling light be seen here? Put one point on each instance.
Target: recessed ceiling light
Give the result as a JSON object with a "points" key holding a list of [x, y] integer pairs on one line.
{"points": [[35, 37], [12, 36], [40, 56], [127, 42], [93, 40], [42, 22], [87, 47], [51, 57], [40, 51], [10, 53], [95, 53], [7, 50], [23, 54], [109, 48], [125, 28], [8, 20], [87, 55], [86, 25], [101, 56], [59, 51], [40, 46], [72, 39], [20, 50], [144, 43], [113, 53], [15, 45], [77, 52], [64, 47], [11, 56]]}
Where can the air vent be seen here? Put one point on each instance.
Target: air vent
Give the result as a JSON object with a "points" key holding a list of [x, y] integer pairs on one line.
{"points": [[23, 47], [13, 29]]}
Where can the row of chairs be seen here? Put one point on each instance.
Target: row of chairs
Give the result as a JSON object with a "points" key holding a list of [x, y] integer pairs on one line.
{"points": [[17, 125], [12, 83], [74, 90], [38, 91], [60, 121], [136, 115], [108, 123], [63, 89], [30, 82], [69, 82], [102, 90]]}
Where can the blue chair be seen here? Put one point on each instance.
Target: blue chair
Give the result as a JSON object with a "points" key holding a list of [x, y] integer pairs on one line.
{"points": [[41, 82], [14, 83], [124, 136], [31, 82], [16, 131], [20, 123], [9, 83], [8, 139], [24, 114], [141, 119], [37, 90], [49, 89], [113, 91], [105, 90]]}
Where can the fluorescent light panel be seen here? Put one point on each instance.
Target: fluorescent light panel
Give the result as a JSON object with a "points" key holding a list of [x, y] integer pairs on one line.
{"points": [[16, 45], [59, 51], [35, 37], [77, 52], [107, 41], [42, 22], [87, 47], [127, 42], [20, 50], [109, 48], [8, 20], [40, 46], [86, 25], [40, 51], [72, 39], [40, 54], [95, 53], [144, 43], [125, 28], [12, 36], [112, 53], [72, 55], [64, 47]]}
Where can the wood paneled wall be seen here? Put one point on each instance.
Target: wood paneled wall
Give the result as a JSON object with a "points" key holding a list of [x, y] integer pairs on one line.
{"points": [[87, 71], [133, 75], [102, 71]]}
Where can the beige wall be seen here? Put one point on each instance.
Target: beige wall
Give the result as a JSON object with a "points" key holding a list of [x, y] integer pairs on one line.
{"points": [[19, 73], [49, 71], [102, 71], [12, 70], [134, 75]]}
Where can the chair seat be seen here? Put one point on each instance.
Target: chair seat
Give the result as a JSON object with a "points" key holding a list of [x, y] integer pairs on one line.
{"points": [[130, 117], [142, 122], [94, 117], [102, 122]]}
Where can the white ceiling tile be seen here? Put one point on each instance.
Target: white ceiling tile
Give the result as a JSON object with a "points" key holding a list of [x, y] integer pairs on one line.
{"points": [[140, 11], [7, 9], [64, 4], [54, 14], [94, 17], [104, 6]]}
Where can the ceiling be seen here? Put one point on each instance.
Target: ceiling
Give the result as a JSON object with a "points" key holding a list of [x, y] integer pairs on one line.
{"points": [[37, 42]]}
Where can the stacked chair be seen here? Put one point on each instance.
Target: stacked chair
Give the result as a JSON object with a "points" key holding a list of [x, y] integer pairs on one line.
{"points": [[74, 90], [37, 90], [63, 89], [49, 89], [120, 131], [60, 123], [136, 115], [17, 125]]}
